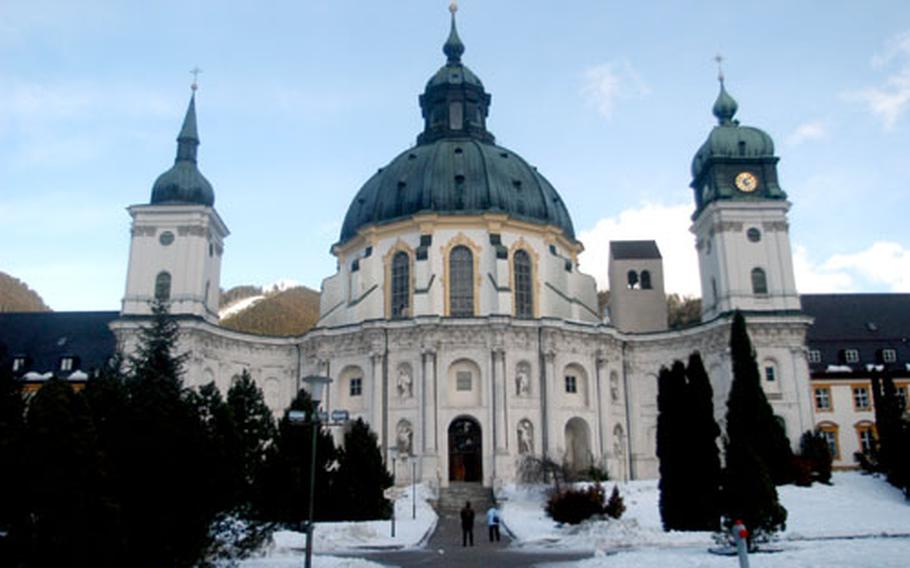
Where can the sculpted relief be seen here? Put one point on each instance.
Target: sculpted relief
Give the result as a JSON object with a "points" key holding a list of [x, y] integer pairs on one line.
{"points": [[405, 384], [523, 380], [404, 438], [525, 437]]}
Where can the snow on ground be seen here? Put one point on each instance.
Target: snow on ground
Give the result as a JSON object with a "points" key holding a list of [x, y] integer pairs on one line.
{"points": [[318, 562], [871, 553], [855, 505], [238, 306], [288, 546]]}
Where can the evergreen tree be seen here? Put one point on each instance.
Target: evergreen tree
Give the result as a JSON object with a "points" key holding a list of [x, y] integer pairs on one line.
{"points": [[704, 480], [12, 428], [285, 485], [754, 440], [891, 439], [221, 468], [814, 448], [165, 509], [362, 476], [750, 419], [255, 432], [71, 515], [674, 463]]}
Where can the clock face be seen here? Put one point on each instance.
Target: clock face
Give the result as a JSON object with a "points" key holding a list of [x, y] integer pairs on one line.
{"points": [[746, 181]]}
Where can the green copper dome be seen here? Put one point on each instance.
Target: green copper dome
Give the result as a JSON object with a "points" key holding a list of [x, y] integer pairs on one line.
{"points": [[729, 139], [184, 184], [456, 168]]}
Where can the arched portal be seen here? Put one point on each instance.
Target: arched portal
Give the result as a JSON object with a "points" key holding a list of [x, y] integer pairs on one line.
{"points": [[578, 444], [465, 450]]}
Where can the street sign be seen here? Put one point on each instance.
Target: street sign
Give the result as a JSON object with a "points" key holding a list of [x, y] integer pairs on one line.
{"points": [[323, 416], [297, 416], [340, 416]]}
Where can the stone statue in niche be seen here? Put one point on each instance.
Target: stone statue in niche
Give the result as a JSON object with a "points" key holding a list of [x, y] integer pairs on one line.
{"points": [[525, 437], [523, 382], [404, 438], [614, 387], [405, 384]]}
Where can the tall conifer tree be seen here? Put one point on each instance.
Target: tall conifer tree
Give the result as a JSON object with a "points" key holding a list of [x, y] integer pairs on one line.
{"points": [[362, 476], [753, 441], [671, 433], [704, 478], [12, 474], [255, 430]]}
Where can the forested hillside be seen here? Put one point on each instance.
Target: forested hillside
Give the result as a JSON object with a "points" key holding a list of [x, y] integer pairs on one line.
{"points": [[16, 296]]}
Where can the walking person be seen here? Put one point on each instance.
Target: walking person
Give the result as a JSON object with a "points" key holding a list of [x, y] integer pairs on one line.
{"points": [[467, 524], [493, 522]]}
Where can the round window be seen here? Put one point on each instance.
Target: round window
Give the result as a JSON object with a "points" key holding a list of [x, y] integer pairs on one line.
{"points": [[166, 238], [753, 234]]}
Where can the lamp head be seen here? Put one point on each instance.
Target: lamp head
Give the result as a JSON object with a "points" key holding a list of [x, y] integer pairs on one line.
{"points": [[316, 387]]}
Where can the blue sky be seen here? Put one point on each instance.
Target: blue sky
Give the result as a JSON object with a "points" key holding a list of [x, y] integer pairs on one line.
{"points": [[300, 102]]}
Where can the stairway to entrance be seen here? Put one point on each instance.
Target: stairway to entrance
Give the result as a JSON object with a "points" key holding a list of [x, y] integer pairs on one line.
{"points": [[453, 497]]}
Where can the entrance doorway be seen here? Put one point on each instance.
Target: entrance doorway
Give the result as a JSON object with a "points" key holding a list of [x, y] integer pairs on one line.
{"points": [[465, 450]]}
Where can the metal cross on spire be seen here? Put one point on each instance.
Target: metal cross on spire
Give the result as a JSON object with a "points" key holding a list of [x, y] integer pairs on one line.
{"points": [[720, 68], [195, 71]]}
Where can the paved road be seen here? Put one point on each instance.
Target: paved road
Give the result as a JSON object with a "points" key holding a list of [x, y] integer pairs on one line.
{"points": [[444, 550]]}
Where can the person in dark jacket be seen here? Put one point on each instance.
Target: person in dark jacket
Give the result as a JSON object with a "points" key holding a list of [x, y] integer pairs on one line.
{"points": [[467, 524]]}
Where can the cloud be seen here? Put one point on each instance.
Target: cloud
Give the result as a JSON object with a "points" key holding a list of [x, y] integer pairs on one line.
{"points": [[812, 278], [890, 100], [807, 131], [605, 84], [666, 224], [884, 263]]}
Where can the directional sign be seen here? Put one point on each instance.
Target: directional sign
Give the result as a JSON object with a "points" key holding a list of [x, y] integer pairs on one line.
{"points": [[340, 416], [297, 416], [323, 416]]}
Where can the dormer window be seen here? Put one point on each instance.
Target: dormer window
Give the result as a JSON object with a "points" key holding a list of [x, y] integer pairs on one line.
{"points": [[67, 363], [851, 356], [889, 356], [815, 356], [18, 364]]}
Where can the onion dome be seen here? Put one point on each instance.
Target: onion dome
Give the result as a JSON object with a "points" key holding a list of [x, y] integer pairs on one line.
{"points": [[184, 184], [455, 168], [729, 139]]}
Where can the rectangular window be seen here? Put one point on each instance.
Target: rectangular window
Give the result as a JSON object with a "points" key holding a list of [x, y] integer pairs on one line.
{"points": [[769, 374], [889, 355], [571, 384], [866, 440], [822, 398], [815, 356], [66, 364], [861, 398], [902, 397], [18, 364], [356, 386], [851, 356], [830, 436], [463, 381]]}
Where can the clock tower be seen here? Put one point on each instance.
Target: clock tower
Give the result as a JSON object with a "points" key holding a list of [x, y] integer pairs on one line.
{"points": [[740, 220]]}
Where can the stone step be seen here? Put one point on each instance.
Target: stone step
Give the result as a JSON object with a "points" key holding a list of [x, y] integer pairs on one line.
{"points": [[452, 498]]}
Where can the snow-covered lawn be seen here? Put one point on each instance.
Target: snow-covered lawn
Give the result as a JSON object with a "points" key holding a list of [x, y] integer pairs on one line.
{"points": [[287, 546], [854, 506]]}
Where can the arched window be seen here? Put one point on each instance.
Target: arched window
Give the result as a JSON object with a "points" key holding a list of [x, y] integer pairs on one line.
{"points": [[401, 285], [163, 286], [461, 282], [645, 280], [632, 278], [524, 301], [759, 281]]}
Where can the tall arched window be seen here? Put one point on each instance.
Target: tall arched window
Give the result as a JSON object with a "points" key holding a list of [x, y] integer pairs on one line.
{"points": [[401, 285], [759, 281], [163, 286], [524, 301], [645, 280], [461, 282], [632, 279]]}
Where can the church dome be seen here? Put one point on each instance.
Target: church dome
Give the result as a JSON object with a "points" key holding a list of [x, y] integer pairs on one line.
{"points": [[184, 184], [729, 139], [456, 168]]}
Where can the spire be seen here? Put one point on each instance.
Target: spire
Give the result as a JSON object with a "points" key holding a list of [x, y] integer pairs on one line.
{"points": [[188, 139], [453, 47], [725, 106]]}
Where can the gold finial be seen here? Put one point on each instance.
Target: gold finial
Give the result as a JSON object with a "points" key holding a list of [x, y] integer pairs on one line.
{"points": [[195, 71], [720, 69], [453, 7]]}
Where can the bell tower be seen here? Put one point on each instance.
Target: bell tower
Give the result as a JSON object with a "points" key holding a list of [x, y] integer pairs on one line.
{"points": [[740, 220], [177, 238]]}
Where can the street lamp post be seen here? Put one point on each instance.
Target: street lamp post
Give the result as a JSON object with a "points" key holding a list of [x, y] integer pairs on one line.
{"points": [[393, 453], [316, 386]]}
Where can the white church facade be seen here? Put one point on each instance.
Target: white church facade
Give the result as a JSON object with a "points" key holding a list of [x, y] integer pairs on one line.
{"points": [[458, 324]]}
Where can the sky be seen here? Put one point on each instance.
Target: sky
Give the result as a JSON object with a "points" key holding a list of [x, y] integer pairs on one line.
{"points": [[299, 103]]}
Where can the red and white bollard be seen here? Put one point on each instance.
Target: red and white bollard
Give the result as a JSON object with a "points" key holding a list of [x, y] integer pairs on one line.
{"points": [[741, 538]]}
